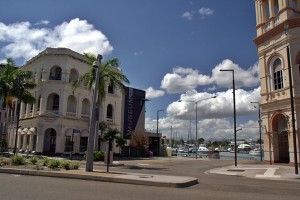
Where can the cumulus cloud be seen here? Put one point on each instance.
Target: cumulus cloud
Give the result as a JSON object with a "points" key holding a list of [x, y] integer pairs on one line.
{"points": [[187, 15], [209, 129], [42, 22], [206, 11], [243, 78], [23, 41], [184, 79], [219, 107], [151, 93], [202, 12]]}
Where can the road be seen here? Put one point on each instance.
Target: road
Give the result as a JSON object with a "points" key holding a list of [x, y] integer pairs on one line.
{"points": [[210, 186]]}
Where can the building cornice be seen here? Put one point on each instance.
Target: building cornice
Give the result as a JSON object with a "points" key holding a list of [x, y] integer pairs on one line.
{"points": [[292, 23]]}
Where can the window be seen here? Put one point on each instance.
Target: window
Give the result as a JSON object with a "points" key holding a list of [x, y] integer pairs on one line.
{"points": [[277, 74], [276, 7], [109, 112], [34, 142], [73, 75], [293, 4], [39, 103], [68, 144], [71, 107], [85, 107], [110, 88], [55, 105], [55, 73], [83, 144]]}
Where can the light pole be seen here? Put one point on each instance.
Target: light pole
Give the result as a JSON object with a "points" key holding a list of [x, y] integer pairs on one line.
{"points": [[234, 112], [196, 103], [91, 141], [157, 132], [259, 123]]}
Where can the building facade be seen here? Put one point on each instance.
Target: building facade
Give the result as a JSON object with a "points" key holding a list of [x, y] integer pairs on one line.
{"points": [[58, 122], [278, 44]]}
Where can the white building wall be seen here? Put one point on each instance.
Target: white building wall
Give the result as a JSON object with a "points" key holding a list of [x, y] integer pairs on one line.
{"points": [[61, 121]]}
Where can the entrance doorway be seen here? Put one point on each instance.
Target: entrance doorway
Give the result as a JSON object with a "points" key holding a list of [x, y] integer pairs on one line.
{"points": [[283, 147], [50, 141]]}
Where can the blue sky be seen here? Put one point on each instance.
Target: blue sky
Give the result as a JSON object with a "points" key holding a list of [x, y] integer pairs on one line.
{"points": [[173, 49]]}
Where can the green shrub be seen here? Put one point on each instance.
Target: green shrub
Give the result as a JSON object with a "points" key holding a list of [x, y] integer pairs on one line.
{"points": [[45, 161], [99, 155], [18, 160], [75, 165], [69, 165], [4, 161], [53, 163], [66, 165], [33, 160]]}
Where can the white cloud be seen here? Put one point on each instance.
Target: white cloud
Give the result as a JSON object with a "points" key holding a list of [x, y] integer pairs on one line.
{"points": [[187, 15], [138, 53], [184, 79], [151, 93], [209, 129], [243, 78], [219, 107], [202, 12], [22, 41], [206, 11], [42, 22]]}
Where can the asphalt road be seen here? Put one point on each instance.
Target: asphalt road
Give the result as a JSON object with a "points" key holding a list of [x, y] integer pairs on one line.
{"points": [[210, 186]]}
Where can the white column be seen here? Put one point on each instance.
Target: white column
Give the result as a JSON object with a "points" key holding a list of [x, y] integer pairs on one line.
{"points": [[19, 141]]}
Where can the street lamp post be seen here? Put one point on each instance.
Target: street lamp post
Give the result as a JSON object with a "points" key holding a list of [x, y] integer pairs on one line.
{"points": [[17, 125], [234, 112], [157, 132], [259, 123], [196, 103], [91, 141]]}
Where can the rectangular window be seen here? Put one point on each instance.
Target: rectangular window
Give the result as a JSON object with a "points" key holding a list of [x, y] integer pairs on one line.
{"points": [[68, 144], [83, 144], [278, 80]]}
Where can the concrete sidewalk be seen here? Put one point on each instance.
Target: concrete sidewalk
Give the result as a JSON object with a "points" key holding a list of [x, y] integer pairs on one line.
{"points": [[259, 171]]}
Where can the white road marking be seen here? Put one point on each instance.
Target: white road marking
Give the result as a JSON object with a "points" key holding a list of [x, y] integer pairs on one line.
{"points": [[269, 173]]}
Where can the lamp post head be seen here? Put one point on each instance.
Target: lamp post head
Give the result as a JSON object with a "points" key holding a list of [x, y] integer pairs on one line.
{"points": [[226, 70], [96, 64]]}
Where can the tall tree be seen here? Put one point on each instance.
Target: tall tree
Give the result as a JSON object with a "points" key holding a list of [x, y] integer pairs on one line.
{"points": [[15, 83], [109, 73]]}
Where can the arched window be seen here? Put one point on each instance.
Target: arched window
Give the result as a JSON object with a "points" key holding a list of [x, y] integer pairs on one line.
{"points": [[276, 7], [109, 112], [71, 107], [53, 102], [39, 103], [110, 88], [73, 75], [277, 74], [293, 4], [55, 73], [85, 112]]}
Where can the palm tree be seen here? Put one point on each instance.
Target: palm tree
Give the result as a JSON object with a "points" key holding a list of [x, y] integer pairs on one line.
{"points": [[109, 73], [15, 83], [110, 135]]}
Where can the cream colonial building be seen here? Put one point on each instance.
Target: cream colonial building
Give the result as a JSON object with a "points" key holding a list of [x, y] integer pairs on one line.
{"points": [[59, 113], [278, 36]]}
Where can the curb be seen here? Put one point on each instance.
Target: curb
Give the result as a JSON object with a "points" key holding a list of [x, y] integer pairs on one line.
{"points": [[115, 177]]}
